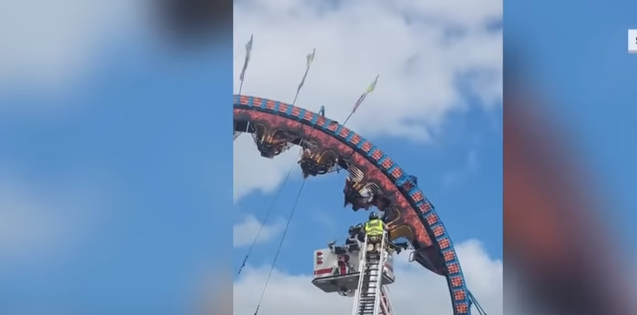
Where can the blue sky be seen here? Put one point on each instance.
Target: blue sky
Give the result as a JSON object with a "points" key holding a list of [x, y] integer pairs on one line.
{"points": [[578, 56], [133, 167]]}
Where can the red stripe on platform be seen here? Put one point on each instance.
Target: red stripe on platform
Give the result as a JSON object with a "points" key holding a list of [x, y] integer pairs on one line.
{"points": [[322, 271]]}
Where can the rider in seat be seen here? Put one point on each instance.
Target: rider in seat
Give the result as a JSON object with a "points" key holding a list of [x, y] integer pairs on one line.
{"points": [[338, 250], [360, 236], [374, 228], [352, 240], [356, 194], [397, 247], [351, 243]]}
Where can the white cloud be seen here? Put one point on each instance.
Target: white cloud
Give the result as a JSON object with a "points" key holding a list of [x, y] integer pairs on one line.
{"points": [[39, 222], [420, 49], [416, 290], [252, 172], [470, 166], [25, 224], [49, 44], [245, 233]]}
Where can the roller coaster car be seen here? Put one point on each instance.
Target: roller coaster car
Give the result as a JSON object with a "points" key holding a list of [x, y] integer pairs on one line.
{"points": [[271, 149], [353, 196], [360, 197], [271, 143], [315, 162], [337, 271]]}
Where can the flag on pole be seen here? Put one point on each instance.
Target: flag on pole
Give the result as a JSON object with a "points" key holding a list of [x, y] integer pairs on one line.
{"points": [[370, 89], [372, 86], [247, 59], [310, 58]]}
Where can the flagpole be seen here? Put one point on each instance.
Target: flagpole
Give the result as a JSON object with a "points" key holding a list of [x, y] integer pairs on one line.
{"points": [[245, 63], [296, 96], [310, 58], [240, 87], [348, 117], [242, 75]]}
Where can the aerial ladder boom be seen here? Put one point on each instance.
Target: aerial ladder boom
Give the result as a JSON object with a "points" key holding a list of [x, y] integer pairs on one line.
{"points": [[367, 300], [385, 305]]}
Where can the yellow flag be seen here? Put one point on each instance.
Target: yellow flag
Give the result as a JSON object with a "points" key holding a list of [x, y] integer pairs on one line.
{"points": [[373, 85]]}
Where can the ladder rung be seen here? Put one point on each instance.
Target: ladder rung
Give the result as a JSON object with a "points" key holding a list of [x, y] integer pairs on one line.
{"points": [[369, 292]]}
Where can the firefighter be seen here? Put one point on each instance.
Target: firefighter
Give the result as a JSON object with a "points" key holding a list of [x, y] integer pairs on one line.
{"points": [[374, 229]]}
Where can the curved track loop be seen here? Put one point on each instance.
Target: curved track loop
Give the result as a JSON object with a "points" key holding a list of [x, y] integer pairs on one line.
{"points": [[415, 211]]}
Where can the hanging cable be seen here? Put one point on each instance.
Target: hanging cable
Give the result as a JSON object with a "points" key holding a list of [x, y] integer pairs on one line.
{"points": [[243, 264], [276, 256], [265, 220], [481, 311]]}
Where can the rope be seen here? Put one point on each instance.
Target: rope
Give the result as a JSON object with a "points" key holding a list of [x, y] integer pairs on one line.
{"points": [[276, 256], [265, 220]]}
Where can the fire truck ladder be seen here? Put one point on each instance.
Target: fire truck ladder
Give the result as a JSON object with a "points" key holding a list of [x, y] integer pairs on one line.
{"points": [[367, 300], [385, 304]]}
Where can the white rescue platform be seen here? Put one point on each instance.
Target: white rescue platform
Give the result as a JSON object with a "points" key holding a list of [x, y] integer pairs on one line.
{"points": [[337, 270], [352, 271]]}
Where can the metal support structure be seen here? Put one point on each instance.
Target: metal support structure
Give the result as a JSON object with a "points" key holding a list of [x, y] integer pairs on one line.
{"points": [[367, 300]]}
